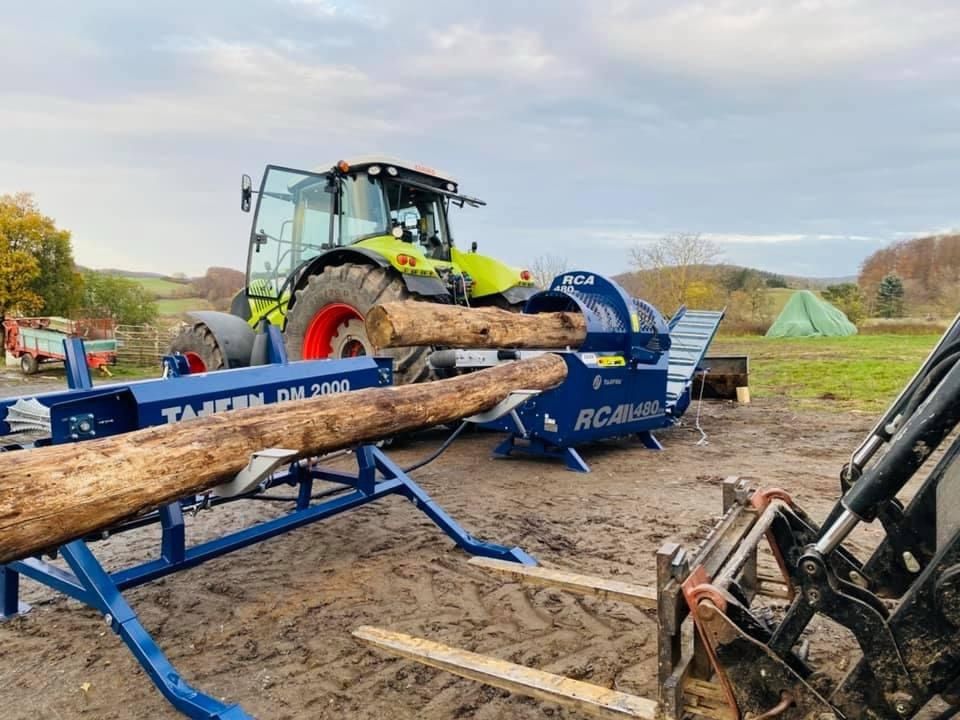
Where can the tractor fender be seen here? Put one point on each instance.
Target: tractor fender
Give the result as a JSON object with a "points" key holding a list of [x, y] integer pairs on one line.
{"points": [[418, 284], [519, 294], [232, 334]]}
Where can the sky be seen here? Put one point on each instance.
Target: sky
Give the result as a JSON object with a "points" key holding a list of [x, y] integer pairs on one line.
{"points": [[798, 136]]}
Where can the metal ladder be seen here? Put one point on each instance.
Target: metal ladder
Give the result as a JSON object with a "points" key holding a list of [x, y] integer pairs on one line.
{"points": [[690, 337]]}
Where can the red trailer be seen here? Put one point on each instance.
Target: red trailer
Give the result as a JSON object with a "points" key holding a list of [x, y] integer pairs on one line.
{"points": [[36, 340]]}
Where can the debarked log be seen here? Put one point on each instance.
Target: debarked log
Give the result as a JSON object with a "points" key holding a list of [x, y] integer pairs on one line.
{"points": [[403, 323], [54, 494]]}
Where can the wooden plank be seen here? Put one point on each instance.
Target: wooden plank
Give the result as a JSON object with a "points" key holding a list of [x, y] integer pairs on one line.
{"points": [[706, 699], [639, 595], [590, 699]]}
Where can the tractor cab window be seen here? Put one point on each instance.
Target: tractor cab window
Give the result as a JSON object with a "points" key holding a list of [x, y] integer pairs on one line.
{"points": [[291, 227], [362, 210], [420, 214]]}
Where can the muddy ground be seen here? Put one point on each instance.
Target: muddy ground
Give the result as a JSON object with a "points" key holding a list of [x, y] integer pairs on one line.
{"points": [[269, 627]]}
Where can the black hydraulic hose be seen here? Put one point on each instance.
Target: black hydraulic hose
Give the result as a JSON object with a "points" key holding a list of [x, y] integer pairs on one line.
{"points": [[917, 439], [440, 450], [930, 380], [294, 498]]}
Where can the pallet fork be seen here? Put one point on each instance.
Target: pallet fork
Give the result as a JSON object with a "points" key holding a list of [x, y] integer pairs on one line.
{"points": [[724, 651]]}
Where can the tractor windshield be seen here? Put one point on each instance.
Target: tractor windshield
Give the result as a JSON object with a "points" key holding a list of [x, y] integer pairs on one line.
{"points": [[292, 226]]}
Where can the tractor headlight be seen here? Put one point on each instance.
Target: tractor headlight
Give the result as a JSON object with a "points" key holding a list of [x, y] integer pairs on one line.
{"points": [[391, 171], [373, 170]]}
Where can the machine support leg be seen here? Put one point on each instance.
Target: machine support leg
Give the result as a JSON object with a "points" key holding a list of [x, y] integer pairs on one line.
{"points": [[574, 461], [173, 539], [649, 441], [105, 597], [505, 447], [538, 448], [10, 594], [428, 506]]}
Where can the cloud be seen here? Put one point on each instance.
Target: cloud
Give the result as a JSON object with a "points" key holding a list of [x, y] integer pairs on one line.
{"points": [[514, 55], [228, 87], [350, 11], [736, 40]]}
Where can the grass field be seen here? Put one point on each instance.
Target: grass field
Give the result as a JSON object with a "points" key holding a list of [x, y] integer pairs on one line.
{"points": [[176, 306], [862, 372], [160, 287]]}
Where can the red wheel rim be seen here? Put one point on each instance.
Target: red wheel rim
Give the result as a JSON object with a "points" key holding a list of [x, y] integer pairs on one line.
{"points": [[195, 363], [323, 328]]}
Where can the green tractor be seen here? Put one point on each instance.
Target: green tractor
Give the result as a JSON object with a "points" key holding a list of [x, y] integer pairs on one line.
{"points": [[326, 246]]}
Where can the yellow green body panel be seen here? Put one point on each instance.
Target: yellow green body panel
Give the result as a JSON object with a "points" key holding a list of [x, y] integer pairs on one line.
{"points": [[490, 276]]}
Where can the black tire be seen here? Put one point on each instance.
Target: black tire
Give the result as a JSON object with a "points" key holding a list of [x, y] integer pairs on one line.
{"points": [[28, 364], [197, 340], [362, 287]]}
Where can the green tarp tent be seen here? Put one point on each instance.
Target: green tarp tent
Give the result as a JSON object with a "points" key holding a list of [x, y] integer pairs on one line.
{"points": [[806, 315]]}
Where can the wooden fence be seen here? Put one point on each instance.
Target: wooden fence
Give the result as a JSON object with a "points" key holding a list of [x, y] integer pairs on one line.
{"points": [[143, 345]]}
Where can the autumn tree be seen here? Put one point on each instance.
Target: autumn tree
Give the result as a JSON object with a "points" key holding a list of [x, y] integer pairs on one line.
{"points": [[50, 285], [219, 285], [18, 270], [546, 267], [848, 298], [119, 298], [890, 297], [677, 270]]}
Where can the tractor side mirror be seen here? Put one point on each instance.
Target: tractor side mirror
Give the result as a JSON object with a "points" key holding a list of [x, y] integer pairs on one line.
{"points": [[473, 246], [246, 192]]}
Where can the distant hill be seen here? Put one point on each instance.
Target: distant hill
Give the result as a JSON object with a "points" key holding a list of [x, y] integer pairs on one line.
{"points": [[773, 280], [177, 295]]}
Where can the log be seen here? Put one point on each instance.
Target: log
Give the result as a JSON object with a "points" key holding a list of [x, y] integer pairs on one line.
{"points": [[399, 324], [54, 494]]}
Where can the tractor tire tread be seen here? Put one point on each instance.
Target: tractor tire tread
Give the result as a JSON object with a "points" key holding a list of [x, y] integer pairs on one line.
{"points": [[198, 338], [361, 286]]}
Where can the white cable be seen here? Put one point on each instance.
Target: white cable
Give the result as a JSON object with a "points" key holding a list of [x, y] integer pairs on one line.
{"points": [[703, 436]]}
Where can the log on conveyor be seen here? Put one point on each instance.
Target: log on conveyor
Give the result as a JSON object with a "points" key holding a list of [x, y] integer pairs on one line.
{"points": [[403, 323], [54, 494]]}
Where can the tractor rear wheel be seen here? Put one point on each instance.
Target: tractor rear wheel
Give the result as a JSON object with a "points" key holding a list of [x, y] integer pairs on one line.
{"points": [[326, 321], [198, 345]]}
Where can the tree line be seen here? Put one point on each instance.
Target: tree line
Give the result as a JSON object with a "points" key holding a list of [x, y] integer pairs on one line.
{"points": [[38, 275], [687, 269], [918, 276]]}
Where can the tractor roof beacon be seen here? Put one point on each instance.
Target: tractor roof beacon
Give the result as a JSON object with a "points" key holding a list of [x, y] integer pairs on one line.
{"points": [[326, 245]]}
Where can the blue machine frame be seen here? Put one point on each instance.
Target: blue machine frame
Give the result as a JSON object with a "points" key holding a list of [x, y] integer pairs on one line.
{"points": [[82, 413], [632, 374]]}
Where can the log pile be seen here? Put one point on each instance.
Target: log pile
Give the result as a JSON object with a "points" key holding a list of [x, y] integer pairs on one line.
{"points": [[54, 494], [399, 324]]}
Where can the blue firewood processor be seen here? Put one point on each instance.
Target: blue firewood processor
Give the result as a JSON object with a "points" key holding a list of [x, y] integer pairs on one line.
{"points": [[85, 412], [632, 375]]}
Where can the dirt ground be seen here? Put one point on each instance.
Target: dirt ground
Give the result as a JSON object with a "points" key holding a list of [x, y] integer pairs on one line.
{"points": [[269, 627]]}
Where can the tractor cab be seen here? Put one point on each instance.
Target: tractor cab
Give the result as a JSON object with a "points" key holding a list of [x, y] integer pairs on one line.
{"points": [[379, 206]]}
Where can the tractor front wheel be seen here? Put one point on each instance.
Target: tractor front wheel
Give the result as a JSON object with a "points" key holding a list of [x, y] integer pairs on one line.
{"points": [[198, 345], [326, 321]]}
